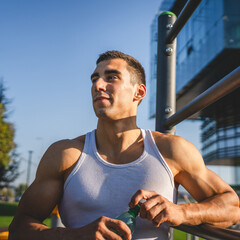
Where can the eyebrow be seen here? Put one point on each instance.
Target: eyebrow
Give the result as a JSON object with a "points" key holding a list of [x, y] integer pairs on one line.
{"points": [[110, 71], [94, 75]]}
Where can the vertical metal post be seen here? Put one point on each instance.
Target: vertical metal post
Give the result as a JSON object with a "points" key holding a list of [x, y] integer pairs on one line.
{"points": [[171, 234], [29, 167], [195, 238], [166, 73], [189, 236]]}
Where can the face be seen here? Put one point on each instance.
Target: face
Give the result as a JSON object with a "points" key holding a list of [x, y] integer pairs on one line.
{"points": [[112, 90]]}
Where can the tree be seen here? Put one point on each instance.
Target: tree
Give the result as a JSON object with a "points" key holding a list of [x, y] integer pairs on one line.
{"points": [[20, 189], [8, 162]]}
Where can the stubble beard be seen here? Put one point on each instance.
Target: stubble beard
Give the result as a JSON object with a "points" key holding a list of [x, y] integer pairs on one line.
{"points": [[102, 112]]}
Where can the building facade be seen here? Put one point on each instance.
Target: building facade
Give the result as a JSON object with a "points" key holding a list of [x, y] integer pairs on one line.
{"points": [[208, 48]]}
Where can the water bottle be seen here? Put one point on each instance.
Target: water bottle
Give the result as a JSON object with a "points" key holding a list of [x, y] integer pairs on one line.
{"points": [[129, 218]]}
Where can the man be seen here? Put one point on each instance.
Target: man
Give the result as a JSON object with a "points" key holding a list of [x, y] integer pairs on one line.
{"points": [[93, 177]]}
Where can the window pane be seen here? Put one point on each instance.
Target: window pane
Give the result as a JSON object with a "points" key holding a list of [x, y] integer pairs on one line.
{"points": [[230, 132], [230, 142], [221, 144]]}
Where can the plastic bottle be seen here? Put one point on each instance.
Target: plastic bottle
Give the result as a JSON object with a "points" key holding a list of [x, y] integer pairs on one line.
{"points": [[129, 218]]}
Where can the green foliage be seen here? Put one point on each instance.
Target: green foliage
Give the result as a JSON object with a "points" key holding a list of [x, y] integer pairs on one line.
{"points": [[8, 208], [9, 174], [6, 131], [7, 192], [8, 163], [20, 189]]}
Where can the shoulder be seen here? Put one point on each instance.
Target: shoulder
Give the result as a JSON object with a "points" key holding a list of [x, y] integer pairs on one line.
{"points": [[60, 156], [167, 143], [180, 153]]}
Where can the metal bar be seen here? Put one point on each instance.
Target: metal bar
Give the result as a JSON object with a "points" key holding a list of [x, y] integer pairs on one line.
{"points": [[166, 73], [29, 167], [211, 95], [210, 232], [182, 19]]}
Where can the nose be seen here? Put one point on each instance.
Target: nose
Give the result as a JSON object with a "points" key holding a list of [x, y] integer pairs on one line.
{"points": [[100, 85]]}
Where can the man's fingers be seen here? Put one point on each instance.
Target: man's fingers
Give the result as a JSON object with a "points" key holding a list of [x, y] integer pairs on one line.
{"points": [[155, 208], [120, 227], [99, 236], [152, 212], [141, 194], [160, 218], [110, 235], [151, 207]]}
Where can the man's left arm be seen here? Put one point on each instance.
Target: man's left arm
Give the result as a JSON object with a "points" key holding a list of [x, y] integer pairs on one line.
{"points": [[217, 203]]}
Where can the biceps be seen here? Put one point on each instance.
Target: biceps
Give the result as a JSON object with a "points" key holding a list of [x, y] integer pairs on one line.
{"points": [[40, 199], [203, 184]]}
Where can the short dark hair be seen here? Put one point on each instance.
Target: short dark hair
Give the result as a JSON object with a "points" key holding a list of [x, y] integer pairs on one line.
{"points": [[135, 66]]}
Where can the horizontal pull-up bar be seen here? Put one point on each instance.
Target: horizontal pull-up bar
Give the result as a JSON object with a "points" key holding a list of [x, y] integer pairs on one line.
{"points": [[210, 232], [211, 95], [182, 19]]}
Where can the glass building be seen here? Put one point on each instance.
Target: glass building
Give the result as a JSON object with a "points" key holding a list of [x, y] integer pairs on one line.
{"points": [[208, 48]]}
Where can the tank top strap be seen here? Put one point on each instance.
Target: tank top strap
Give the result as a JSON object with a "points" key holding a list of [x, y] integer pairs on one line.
{"points": [[89, 142], [85, 152], [151, 147], [147, 140]]}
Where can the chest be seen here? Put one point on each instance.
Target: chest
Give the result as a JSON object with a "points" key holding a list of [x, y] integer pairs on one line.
{"points": [[128, 155], [101, 186]]}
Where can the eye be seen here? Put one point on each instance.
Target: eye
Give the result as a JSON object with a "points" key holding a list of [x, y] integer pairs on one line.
{"points": [[111, 77], [94, 79]]}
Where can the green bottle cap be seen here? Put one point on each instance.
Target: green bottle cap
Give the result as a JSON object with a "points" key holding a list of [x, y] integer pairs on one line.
{"points": [[135, 211], [168, 13]]}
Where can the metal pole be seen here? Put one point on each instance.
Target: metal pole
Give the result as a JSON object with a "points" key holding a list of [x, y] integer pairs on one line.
{"points": [[29, 167], [195, 238], [166, 73], [211, 95], [189, 236], [210, 232], [182, 19]]}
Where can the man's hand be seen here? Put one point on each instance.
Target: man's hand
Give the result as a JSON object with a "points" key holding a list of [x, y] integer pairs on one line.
{"points": [[158, 209], [100, 229]]}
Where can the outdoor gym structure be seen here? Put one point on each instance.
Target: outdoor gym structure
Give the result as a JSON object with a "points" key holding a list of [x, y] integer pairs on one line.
{"points": [[166, 116]]}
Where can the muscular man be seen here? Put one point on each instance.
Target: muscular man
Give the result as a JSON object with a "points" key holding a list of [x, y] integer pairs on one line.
{"points": [[94, 177]]}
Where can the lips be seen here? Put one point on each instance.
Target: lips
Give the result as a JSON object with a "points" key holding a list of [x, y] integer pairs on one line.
{"points": [[101, 98]]}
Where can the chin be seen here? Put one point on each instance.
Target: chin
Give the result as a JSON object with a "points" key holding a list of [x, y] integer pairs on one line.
{"points": [[106, 115], [101, 112]]}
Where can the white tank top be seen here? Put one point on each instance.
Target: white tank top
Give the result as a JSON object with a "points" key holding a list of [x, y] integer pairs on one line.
{"points": [[97, 188]]}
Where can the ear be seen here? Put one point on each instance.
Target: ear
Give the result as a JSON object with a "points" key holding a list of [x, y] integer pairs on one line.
{"points": [[140, 92]]}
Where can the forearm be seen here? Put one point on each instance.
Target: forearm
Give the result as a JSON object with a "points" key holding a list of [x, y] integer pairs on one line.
{"points": [[37, 234], [98, 229], [221, 210], [28, 229]]}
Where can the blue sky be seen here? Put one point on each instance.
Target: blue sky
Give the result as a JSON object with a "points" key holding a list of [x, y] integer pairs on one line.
{"points": [[48, 50]]}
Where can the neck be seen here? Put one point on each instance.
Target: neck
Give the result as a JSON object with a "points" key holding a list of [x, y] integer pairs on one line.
{"points": [[117, 126], [113, 138]]}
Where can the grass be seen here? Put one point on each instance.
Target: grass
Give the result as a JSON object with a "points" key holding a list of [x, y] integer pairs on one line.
{"points": [[8, 210], [179, 235], [5, 221]]}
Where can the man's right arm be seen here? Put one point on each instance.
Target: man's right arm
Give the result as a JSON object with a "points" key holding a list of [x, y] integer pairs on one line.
{"points": [[41, 197], [45, 193]]}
